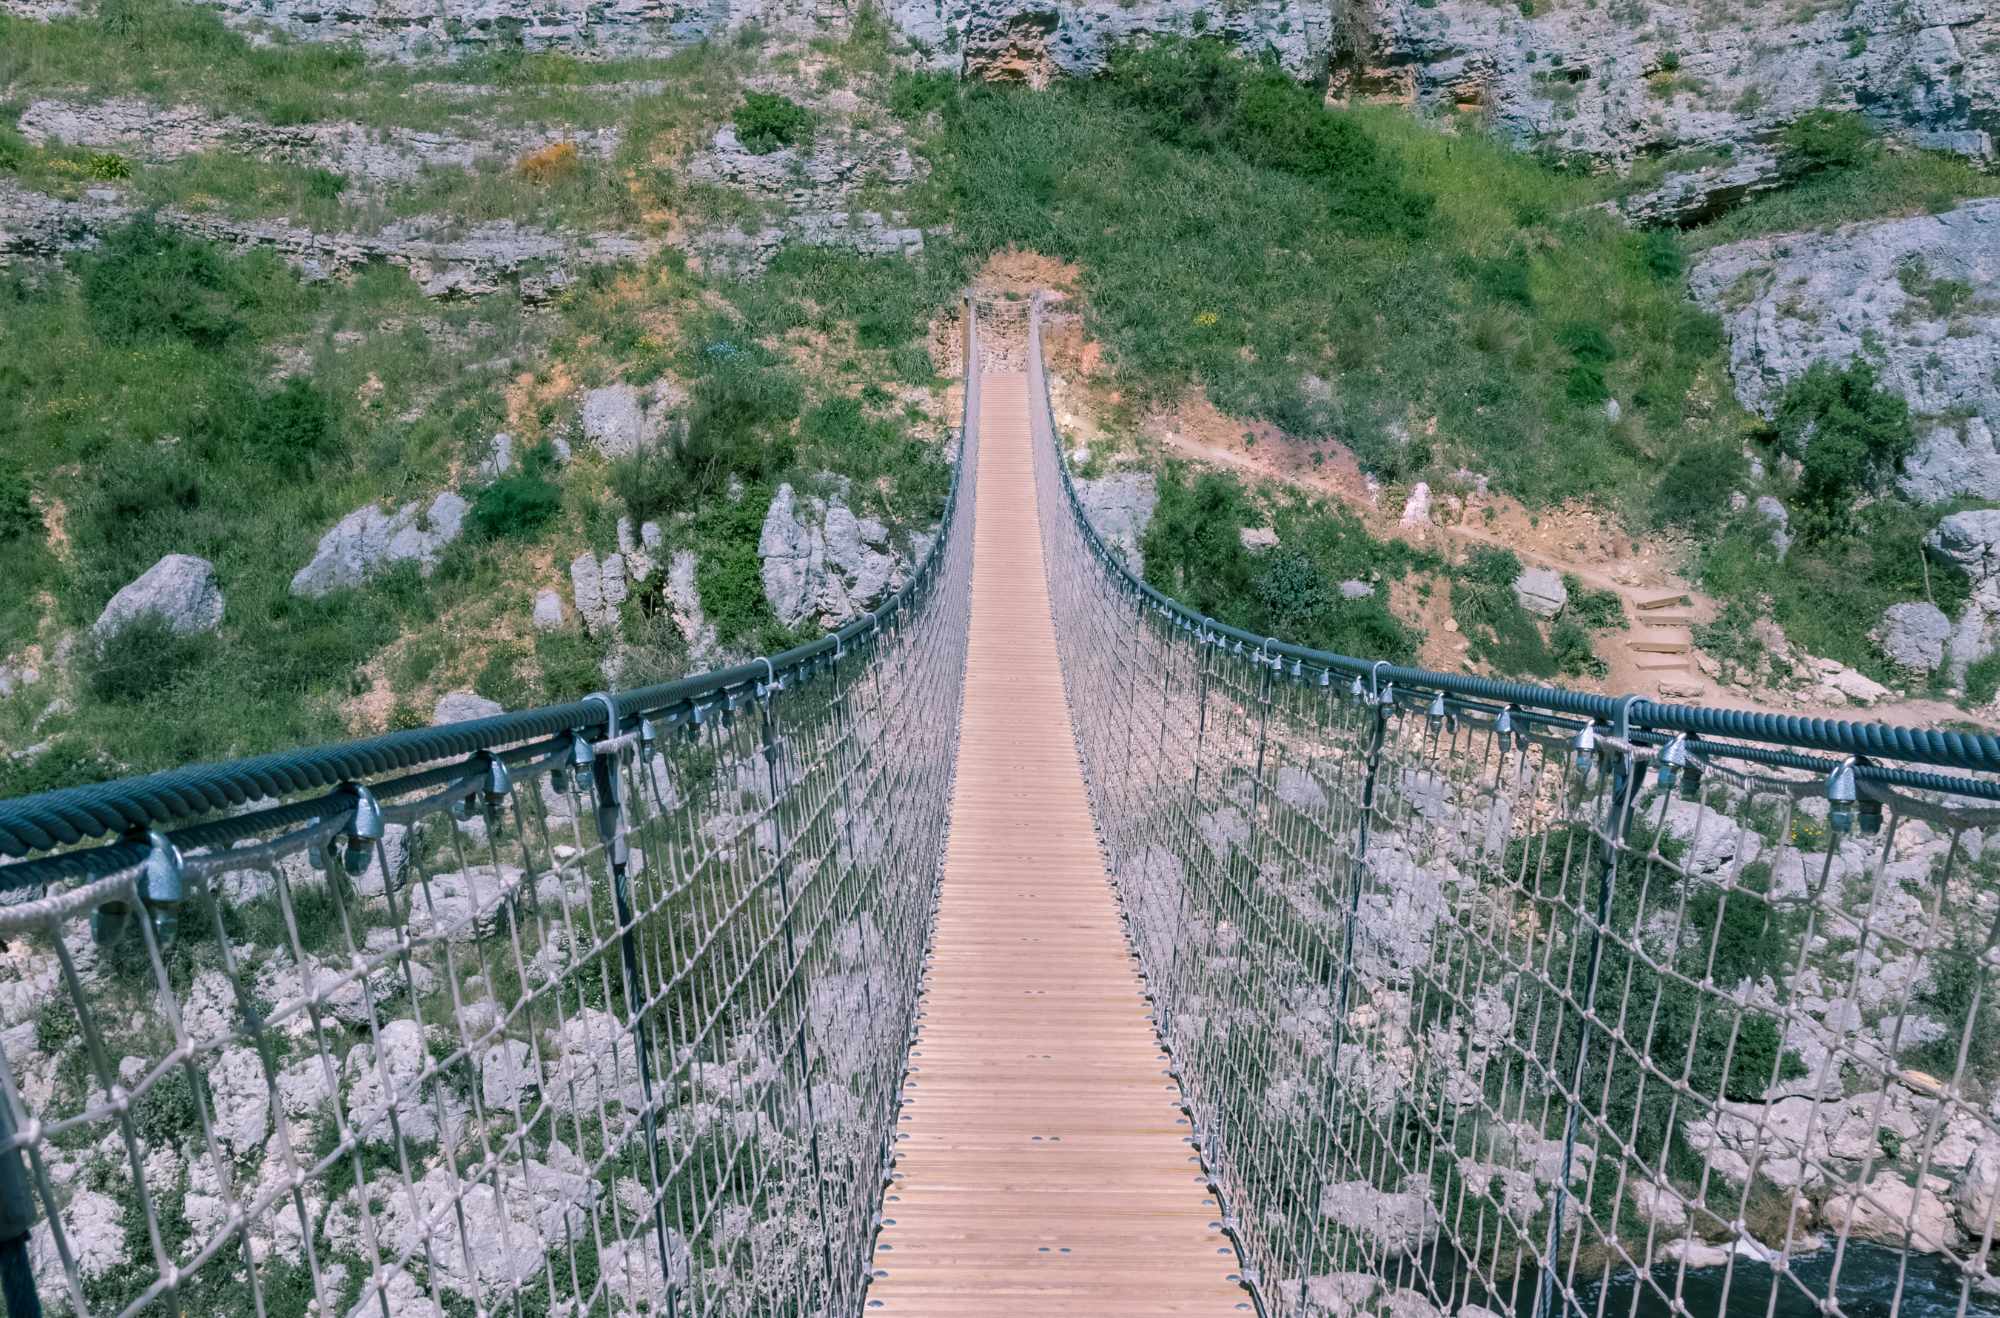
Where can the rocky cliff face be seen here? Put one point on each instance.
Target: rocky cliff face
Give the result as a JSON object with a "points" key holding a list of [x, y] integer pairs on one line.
{"points": [[1608, 82], [1912, 296], [1615, 81], [1034, 40]]}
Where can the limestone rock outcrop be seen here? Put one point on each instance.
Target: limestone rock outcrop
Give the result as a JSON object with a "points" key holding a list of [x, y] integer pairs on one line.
{"points": [[820, 562], [1904, 294], [371, 539], [180, 590]]}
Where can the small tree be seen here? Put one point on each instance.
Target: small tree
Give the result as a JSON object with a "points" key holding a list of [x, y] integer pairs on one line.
{"points": [[765, 122], [1846, 432]]}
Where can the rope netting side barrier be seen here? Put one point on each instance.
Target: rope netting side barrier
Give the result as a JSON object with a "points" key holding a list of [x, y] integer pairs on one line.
{"points": [[606, 1015], [1489, 999]]}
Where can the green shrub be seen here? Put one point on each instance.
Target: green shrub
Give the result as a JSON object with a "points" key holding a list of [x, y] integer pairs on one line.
{"points": [[1847, 433], [293, 427], [1982, 680], [142, 659], [1592, 609], [1584, 384], [1957, 993], [1571, 649], [1694, 490], [1826, 139], [1506, 280], [569, 661], [1494, 568], [1193, 547], [324, 184], [107, 166], [18, 518], [146, 281], [1660, 251], [766, 123], [915, 93], [515, 507], [650, 484], [1587, 342], [1199, 94], [1185, 92]]}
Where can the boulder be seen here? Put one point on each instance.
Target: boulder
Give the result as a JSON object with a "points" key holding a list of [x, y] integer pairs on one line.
{"points": [[1397, 1222], [384, 1081], [1914, 636], [599, 588], [1356, 590], [1953, 458], [615, 420], [1891, 1212], [1417, 508], [1900, 293], [1972, 541], [463, 707], [690, 619], [370, 539], [499, 458], [1540, 591], [180, 590], [1257, 539], [1121, 506], [822, 563], [550, 615], [1779, 519]]}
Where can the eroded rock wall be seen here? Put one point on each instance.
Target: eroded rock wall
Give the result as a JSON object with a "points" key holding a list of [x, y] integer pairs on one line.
{"points": [[1615, 81]]}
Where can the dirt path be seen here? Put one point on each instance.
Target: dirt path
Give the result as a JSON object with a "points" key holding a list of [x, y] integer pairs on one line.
{"points": [[1572, 539], [1636, 580]]}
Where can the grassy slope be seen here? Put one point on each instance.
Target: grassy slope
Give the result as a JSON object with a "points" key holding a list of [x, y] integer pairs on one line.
{"points": [[1201, 267], [122, 435]]}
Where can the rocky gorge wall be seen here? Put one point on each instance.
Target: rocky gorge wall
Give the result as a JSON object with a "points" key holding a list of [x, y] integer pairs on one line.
{"points": [[1607, 82]]}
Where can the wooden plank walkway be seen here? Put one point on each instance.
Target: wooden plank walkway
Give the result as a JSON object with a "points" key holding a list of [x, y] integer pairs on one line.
{"points": [[1044, 1167]]}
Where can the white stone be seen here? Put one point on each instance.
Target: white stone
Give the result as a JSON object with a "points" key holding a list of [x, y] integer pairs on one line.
{"points": [[1540, 590], [180, 590], [1890, 1212], [370, 539], [549, 613], [463, 707], [614, 419]]}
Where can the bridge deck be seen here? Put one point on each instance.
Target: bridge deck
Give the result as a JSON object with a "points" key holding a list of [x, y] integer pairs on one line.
{"points": [[1044, 1169]]}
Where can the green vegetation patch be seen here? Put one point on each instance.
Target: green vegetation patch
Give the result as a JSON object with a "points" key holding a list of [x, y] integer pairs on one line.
{"points": [[766, 122], [1194, 551], [1351, 275]]}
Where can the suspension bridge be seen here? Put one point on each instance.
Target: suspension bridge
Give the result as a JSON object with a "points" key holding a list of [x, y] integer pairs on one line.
{"points": [[1032, 945]]}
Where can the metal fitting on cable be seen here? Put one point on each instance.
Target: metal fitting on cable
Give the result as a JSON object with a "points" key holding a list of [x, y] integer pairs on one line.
{"points": [[1840, 797], [1435, 714], [363, 831], [499, 785], [580, 758], [1584, 747], [162, 886], [1673, 757], [1359, 692]]}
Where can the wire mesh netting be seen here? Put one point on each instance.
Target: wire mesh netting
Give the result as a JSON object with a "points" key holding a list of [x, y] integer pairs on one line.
{"points": [[1479, 1007], [607, 1022]]}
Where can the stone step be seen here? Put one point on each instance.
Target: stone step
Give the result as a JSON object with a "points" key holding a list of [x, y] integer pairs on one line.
{"points": [[1666, 640], [1646, 601], [1667, 618], [1661, 663]]}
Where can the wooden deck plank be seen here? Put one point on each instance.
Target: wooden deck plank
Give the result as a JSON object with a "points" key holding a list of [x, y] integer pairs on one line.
{"points": [[1043, 1165]]}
